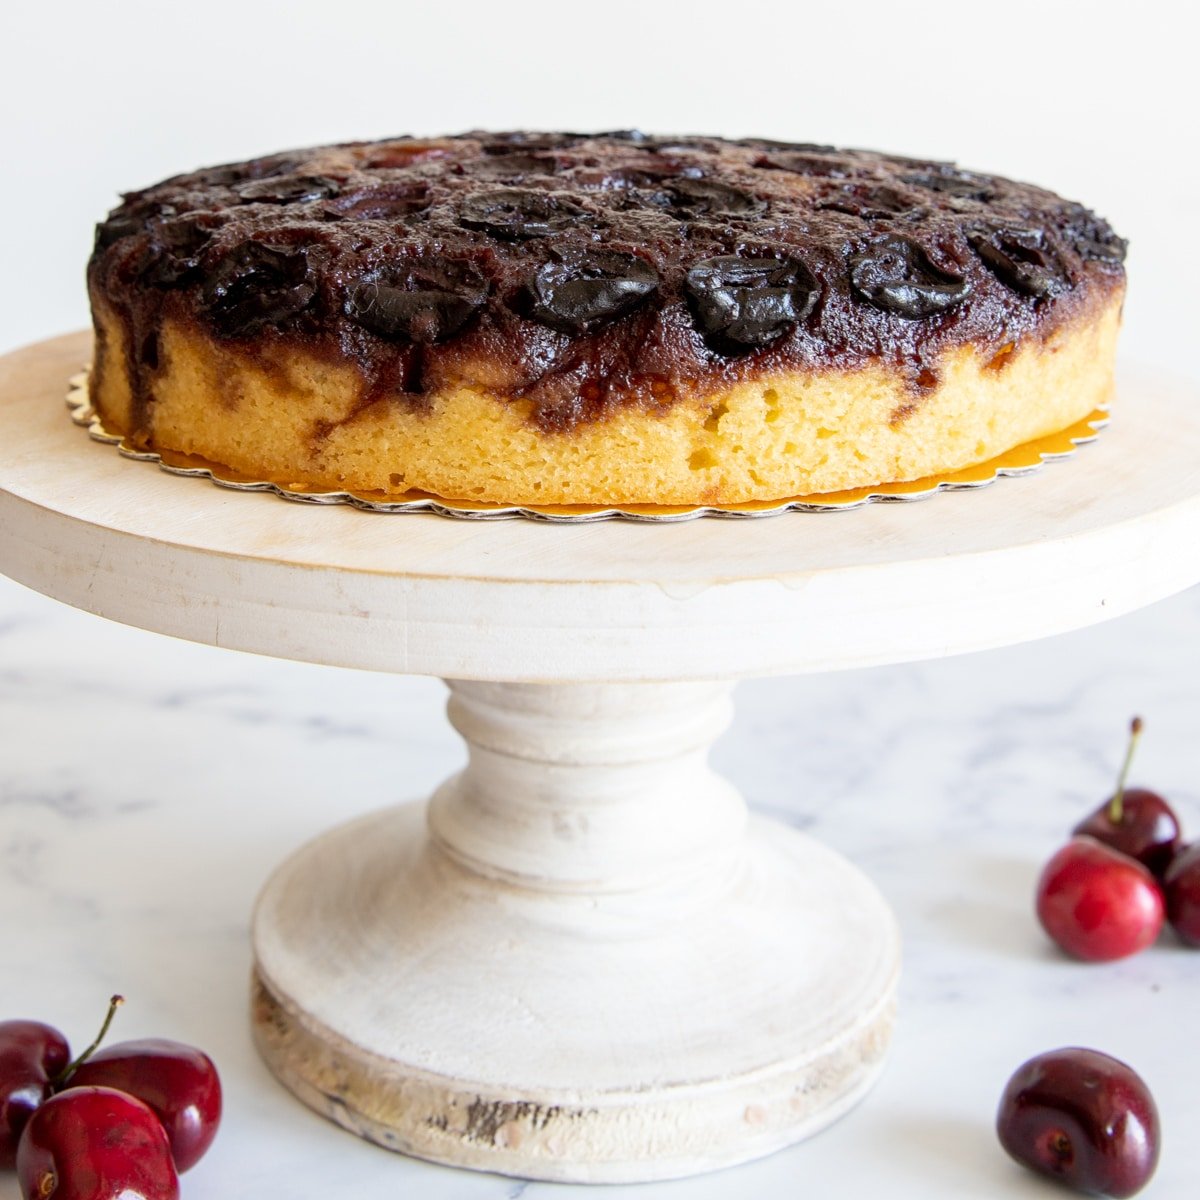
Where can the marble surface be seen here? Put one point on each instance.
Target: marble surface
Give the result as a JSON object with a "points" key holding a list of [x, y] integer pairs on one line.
{"points": [[148, 786]]}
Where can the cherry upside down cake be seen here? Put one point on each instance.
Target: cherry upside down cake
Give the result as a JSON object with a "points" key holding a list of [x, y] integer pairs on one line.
{"points": [[599, 319]]}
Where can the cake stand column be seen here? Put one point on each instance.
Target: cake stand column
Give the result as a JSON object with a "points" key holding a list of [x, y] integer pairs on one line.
{"points": [[596, 788], [581, 960]]}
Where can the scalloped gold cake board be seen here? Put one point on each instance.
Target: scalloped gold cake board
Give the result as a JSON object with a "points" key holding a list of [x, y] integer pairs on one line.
{"points": [[1021, 460]]}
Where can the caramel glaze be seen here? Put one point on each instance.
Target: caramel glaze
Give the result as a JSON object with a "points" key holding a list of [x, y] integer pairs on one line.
{"points": [[576, 272]]}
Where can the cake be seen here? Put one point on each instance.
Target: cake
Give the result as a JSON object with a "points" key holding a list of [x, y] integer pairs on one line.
{"points": [[531, 318]]}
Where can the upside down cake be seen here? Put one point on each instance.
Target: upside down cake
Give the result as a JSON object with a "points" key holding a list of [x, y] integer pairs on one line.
{"points": [[594, 319]]}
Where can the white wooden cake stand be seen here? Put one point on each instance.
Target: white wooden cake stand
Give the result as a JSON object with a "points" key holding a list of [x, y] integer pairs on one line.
{"points": [[581, 960]]}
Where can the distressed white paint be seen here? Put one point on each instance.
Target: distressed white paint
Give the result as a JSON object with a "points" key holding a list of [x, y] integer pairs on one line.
{"points": [[583, 965], [600, 788]]}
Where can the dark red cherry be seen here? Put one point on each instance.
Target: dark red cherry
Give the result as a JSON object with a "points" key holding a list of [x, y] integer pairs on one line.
{"points": [[1093, 237], [418, 302], [869, 201], [1097, 903], [257, 285], [31, 1055], [1135, 821], [93, 1143], [516, 214], [172, 255], [1082, 1118], [578, 291], [815, 162], [516, 166], [953, 182], [742, 303], [897, 275], [1183, 894], [1022, 259], [691, 198], [118, 225], [392, 201], [288, 189], [179, 1082], [1146, 828]]}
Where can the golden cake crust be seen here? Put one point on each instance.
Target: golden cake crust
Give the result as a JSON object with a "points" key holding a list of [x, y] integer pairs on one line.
{"points": [[764, 439]]}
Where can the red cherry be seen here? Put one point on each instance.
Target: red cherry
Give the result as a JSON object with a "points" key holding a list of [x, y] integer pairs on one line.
{"points": [[1146, 829], [1083, 1118], [1098, 904], [95, 1143], [1135, 821], [31, 1055], [178, 1082], [1183, 894]]}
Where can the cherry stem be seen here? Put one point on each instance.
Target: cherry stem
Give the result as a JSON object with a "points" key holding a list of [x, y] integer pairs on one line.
{"points": [[1116, 806], [64, 1076]]}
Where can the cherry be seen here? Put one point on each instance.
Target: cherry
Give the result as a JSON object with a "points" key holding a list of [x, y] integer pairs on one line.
{"points": [[1097, 903], [1083, 1118], [1135, 821], [31, 1055], [1183, 894], [95, 1143], [178, 1082]]}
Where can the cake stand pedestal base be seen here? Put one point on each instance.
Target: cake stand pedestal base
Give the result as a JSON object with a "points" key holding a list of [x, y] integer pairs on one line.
{"points": [[580, 961]]}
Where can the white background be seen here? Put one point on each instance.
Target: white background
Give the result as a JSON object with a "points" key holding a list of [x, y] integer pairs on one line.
{"points": [[148, 786], [1097, 101]]}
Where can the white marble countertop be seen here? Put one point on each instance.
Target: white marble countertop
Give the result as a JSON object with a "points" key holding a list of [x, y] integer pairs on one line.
{"points": [[148, 786]]}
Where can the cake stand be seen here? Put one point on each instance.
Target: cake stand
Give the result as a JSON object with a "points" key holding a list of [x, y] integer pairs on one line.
{"points": [[581, 959]]}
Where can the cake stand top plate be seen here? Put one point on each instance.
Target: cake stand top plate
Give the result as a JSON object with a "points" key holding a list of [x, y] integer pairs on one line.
{"points": [[1113, 529]]}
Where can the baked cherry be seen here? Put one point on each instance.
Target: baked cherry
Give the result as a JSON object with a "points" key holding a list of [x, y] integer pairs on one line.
{"points": [[690, 198], [1183, 894], [31, 1056], [516, 214], [172, 254], [819, 162], [1097, 903], [1022, 259], [95, 1143], [1094, 238], [576, 292], [257, 285], [418, 302], [288, 189], [1135, 821], [391, 201], [179, 1083], [1082, 1118], [896, 275], [742, 303], [952, 182], [869, 201]]}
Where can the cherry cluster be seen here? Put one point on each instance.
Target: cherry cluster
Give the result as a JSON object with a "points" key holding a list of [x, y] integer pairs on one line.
{"points": [[1107, 893], [1075, 1115], [120, 1123]]}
